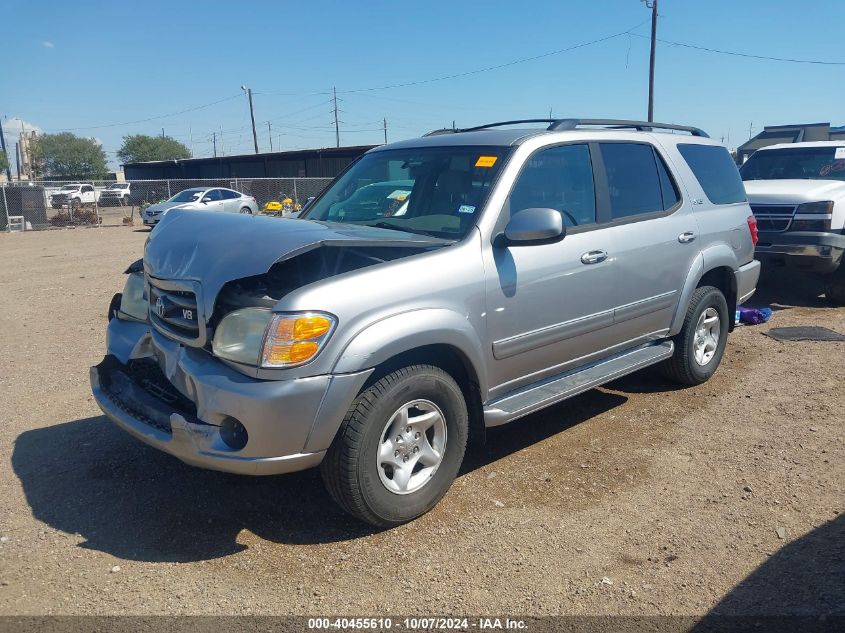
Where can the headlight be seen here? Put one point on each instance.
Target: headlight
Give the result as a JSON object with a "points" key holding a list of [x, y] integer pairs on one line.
{"points": [[240, 335], [134, 302], [256, 336], [816, 216]]}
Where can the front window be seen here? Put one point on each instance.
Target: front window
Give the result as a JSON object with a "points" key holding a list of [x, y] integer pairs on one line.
{"points": [[435, 191], [189, 195], [807, 163]]}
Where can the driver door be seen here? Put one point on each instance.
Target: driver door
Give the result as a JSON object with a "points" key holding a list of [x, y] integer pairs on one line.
{"points": [[549, 306], [213, 200]]}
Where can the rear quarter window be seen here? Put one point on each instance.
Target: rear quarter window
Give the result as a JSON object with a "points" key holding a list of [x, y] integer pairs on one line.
{"points": [[715, 171]]}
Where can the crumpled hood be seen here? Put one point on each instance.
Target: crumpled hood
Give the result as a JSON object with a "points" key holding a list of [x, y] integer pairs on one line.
{"points": [[793, 191], [215, 248]]}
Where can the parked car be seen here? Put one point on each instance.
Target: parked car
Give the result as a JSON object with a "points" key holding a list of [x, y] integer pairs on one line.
{"points": [[75, 195], [797, 193], [116, 194], [205, 199], [530, 265]]}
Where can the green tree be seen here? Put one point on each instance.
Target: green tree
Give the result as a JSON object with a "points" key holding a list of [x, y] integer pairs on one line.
{"points": [[140, 147], [4, 161], [68, 155]]}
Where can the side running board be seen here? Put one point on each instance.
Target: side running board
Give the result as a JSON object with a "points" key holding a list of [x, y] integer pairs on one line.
{"points": [[552, 390]]}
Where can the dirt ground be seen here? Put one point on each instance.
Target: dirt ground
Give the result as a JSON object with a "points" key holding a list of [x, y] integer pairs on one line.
{"points": [[637, 498]]}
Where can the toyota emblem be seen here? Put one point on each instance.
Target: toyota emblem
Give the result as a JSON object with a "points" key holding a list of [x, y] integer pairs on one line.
{"points": [[160, 309]]}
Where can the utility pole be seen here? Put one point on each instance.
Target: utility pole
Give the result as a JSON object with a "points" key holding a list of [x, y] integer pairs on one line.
{"points": [[162, 132], [214, 140], [652, 4], [18, 159], [385, 130], [191, 137], [252, 117], [336, 125], [222, 146], [270, 135], [3, 147]]}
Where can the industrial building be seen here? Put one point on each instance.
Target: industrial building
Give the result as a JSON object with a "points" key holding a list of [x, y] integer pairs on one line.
{"points": [[308, 163], [774, 134]]}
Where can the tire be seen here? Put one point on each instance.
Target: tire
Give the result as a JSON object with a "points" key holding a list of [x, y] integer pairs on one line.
{"points": [[374, 491], [834, 286], [692, 362], [246, 211], [75, 203]]}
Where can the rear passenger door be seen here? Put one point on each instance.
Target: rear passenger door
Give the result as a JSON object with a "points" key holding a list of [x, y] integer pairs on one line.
{"points": [[654, 233], [231, 200]]}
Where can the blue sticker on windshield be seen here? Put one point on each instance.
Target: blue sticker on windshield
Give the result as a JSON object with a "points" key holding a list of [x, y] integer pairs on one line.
{"points": [[466, 208]]}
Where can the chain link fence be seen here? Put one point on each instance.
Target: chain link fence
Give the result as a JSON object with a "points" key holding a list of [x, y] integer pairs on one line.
{"points": [[48, 204]]}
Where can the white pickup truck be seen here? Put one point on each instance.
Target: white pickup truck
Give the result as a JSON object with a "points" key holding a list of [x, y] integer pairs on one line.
{"points": [[797, 194], [74, 194]]}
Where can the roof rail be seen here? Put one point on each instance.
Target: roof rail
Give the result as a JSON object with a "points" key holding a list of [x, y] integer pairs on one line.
{"points": [[571, 124], [641, 126]]}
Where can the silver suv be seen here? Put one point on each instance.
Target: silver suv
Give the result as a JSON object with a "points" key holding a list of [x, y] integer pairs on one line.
{"points": [[438, 287]]}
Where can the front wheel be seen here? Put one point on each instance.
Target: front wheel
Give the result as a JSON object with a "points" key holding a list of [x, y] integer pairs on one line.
{"points": [[399, 448], [700, 344], [834, 286]]}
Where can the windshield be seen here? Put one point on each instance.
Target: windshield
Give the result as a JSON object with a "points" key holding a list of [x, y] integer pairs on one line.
{"points": [[810, 163], [189, 195], [435, 191], [69, 188], [118, 186]]}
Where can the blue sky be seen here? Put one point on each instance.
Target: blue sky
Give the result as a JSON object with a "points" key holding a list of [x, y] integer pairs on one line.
{"points": [[91, 67]]}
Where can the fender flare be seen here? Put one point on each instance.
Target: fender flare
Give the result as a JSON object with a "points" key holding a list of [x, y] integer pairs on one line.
{"points": [[715, 256], [403, 332]]}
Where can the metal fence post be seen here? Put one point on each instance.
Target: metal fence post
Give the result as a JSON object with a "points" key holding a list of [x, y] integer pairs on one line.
{"points": [[169, 196], [6, 209], [295, 197], [96, 203]]}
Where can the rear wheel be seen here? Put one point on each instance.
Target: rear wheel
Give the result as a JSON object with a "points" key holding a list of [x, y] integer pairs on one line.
{"points": [[700, 344], [834, 286], [399, 448], [246, 210]]}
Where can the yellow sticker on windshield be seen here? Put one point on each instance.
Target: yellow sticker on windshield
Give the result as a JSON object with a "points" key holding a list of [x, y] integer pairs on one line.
{"points": [[486, 161]]}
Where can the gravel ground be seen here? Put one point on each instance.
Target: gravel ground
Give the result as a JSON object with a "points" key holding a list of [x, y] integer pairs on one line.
{"points": [[637, 498]]}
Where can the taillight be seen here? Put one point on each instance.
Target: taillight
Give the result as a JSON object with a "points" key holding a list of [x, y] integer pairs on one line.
{"points": [[752, 228]]}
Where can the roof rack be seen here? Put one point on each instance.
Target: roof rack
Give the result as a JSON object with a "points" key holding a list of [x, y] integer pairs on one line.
{"points": [[571, 124], [621, 124]]}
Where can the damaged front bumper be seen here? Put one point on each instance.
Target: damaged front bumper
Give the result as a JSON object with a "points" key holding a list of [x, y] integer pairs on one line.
{"points": [[183, 401]]}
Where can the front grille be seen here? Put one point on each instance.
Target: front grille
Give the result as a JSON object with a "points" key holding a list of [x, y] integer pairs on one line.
{"points": [[174, 312], [773, 217]]}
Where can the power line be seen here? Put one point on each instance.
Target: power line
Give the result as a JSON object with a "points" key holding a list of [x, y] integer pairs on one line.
{"points": [[748, 55], [152, 118]]}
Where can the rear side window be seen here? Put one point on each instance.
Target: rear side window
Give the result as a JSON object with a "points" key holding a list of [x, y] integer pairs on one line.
{"points": [[716, 172], [229, 195], [637, 180]]}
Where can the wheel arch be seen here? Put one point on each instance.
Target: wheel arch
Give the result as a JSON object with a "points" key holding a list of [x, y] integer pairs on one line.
{"points": [[712, 268]]}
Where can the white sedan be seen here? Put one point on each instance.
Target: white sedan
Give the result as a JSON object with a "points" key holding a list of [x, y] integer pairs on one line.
{"points": [[205, 199]]}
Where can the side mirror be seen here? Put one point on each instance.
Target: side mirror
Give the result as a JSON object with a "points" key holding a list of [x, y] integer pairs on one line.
{"points": [[205, 200], [534, 226]]}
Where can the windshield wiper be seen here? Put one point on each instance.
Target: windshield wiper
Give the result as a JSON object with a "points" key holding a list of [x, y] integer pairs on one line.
{"points": [[393, 227]]}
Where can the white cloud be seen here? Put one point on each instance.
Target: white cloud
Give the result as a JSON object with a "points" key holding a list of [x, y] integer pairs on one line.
{"points": [[12, 128], [48, 44]]}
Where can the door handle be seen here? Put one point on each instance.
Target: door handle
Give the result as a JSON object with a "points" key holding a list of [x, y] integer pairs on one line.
{"points": [[593, 257], [686, 237]]}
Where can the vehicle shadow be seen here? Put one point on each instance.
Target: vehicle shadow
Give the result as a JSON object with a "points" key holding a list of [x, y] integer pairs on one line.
{"points": [[804, 580], [122, 497], [781, 289]]}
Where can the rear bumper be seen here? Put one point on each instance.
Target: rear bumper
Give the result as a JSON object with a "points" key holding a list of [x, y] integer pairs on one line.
{"points": [[746, 281], [801, 250]]}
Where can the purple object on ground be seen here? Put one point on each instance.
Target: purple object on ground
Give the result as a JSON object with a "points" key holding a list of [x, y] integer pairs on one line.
{"points": [[754, 316]]}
